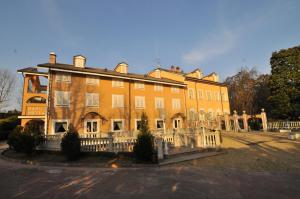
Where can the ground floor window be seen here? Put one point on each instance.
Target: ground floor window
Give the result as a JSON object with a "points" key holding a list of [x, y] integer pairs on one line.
{"points": [[60, 126], [176, 123], [92, 126], [159, 124], [138, 123], [117, 125]]}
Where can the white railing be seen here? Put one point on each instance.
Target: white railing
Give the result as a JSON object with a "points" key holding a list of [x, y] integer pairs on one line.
{"points": [[181, 138], [284, 125]]}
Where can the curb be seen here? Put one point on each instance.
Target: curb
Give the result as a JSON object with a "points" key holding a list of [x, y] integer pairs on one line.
{"points": [[208, 154], [72, 165]]}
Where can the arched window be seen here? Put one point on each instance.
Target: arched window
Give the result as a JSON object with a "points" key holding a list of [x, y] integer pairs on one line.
{"points": [[36, 100]]}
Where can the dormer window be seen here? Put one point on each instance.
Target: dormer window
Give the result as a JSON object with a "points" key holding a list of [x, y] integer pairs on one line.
{"points": [[122, 68], [79, 61]]}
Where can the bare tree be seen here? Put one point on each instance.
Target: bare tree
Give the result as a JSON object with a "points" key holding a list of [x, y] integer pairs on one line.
{"points": [[7, 81]]}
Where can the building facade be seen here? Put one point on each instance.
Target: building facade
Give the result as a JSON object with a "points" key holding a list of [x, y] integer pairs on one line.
{"points": [[99, 100]]}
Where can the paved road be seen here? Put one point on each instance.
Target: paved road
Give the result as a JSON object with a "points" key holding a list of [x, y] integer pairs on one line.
{"points": [[28, 181]]}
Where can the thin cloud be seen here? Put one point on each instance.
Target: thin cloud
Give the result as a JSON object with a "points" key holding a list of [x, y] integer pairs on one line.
{"points": [[217, 44]]}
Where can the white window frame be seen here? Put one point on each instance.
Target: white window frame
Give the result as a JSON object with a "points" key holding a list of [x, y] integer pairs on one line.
{"points": [[191, 93], [92, 80], [178, 119], [208, 95], [175, 101], [117, 105], [92, 120], [117, 83], [63, 93], [117, 120], [200, 91], [59, 120], [158, 119], [93, 99], [139, 85], [158, 88], [156, 99], [174, 89], [135, 123], [136, 99], [63, 77]]}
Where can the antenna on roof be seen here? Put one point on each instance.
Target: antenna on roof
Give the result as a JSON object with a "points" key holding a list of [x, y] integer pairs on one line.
{"points": [[157, 60]]}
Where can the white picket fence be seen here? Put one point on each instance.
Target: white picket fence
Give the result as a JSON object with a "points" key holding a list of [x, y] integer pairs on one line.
{"points": [[284, 125]]}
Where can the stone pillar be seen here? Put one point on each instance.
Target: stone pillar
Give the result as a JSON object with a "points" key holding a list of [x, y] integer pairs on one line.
{"points": [[227, 122], [264, 120], [245, 121], [235, 121], [159, 143], [110, 142]]}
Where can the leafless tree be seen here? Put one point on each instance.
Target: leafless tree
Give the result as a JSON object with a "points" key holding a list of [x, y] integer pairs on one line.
{"points": [[7, 81]]}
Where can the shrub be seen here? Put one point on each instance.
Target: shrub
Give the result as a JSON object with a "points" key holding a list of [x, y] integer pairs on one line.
{"points": [[144, 147], [25, 139], [70, 144], [27, 143], [7, 125], [14, 139]]}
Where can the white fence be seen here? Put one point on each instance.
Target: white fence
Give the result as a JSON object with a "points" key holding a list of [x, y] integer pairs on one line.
{"points": [[284, 125]]}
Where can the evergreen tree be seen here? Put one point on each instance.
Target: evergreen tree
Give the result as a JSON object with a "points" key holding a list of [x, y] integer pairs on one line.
{"points": [[284, 84], [144, 146]]}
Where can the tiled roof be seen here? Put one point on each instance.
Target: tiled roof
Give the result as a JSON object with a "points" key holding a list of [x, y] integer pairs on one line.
{"points": [[109, 72]]}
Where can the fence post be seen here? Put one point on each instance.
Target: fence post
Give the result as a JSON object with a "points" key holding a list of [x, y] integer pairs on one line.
{"points": [[110, 142], [245, 121], [227, 122], [264, 120], [235, 121], [159, 143]]}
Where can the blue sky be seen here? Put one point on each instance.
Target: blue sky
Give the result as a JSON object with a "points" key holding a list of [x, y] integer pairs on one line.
{"points": [[220, 36]]}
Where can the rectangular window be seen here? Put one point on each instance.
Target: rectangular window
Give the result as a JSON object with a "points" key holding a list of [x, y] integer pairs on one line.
{"points": [[208, 95], [139, 102], [175, 104], [92, 126], [225, 97], [137, 124], [60, 126], [117, 101], [191, 93], [159, 103], [158, 87], [92, 99], [92, 80], [117, 83], [200, 94], [62, 98], [117, 125], [139, 85], [62, 77], [159, 124], [174, 89]]}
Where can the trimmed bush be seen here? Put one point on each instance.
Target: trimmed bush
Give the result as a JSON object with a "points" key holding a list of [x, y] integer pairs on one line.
{"points": [[7, 125], [25, 139], [70, 144], [144, 147], [14, 139]]}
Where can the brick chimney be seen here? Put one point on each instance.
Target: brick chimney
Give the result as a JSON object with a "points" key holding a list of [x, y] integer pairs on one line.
{"points": [[52, 58]]}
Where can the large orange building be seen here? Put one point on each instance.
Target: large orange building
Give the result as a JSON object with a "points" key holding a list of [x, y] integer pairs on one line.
{"points": [[99, 100]]}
